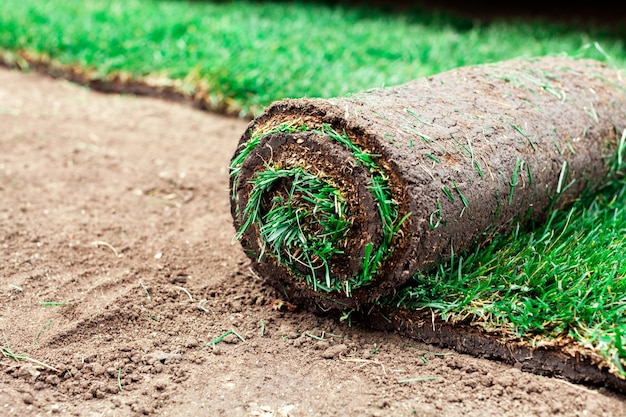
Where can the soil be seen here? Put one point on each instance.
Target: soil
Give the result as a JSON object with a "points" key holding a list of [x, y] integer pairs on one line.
{"points": [[118, 271]]}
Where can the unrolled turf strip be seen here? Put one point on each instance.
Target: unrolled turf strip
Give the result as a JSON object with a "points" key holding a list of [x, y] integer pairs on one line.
{"points": [[339, 201]]}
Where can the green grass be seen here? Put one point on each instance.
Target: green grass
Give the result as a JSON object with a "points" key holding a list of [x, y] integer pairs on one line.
{"points": [[246, 55], [417, 379], [54, 303], [565, 279], [306, 222], [221, 338]]}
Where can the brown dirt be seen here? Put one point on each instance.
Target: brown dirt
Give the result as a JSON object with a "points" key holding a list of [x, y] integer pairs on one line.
{"points": [[107, 199]]}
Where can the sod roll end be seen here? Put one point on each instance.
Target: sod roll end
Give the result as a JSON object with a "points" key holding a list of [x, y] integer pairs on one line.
{"points": [[338, 202]]}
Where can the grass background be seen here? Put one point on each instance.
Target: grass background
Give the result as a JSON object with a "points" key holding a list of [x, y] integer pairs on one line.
{"points": [[565, 280], [248, 54]]}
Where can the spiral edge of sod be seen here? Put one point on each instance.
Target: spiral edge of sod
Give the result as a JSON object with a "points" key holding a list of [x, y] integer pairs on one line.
{"points": [[283, 229]]}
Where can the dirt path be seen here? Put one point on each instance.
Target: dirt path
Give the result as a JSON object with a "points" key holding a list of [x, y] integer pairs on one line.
{"points": [[117, 270]]}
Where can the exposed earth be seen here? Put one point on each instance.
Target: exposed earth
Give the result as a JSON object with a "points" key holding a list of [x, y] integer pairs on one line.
{"points": [[119, 277]]}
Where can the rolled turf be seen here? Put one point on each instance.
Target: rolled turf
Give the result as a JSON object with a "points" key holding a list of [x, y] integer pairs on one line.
{"points": [[338, 202]]}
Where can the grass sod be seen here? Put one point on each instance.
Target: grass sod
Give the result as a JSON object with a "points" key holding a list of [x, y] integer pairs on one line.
{"points": [[211, 49], [307, 224]]}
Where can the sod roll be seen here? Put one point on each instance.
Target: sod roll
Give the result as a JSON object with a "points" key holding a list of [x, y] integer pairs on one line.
{"points": [[337, 202]]}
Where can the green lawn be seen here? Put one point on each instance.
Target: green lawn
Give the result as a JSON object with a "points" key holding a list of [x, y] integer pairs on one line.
{"points": [[250, 54], [566, 279]]}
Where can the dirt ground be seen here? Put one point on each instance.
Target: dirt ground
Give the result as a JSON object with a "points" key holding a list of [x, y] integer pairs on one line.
{"points": [[117, 270]]}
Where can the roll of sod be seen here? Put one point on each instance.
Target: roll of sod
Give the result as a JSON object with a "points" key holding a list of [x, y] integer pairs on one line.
{"points": [[337, 202]]}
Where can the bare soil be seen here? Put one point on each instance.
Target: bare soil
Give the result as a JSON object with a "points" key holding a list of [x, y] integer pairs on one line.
{"points": [[117, 270]]}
